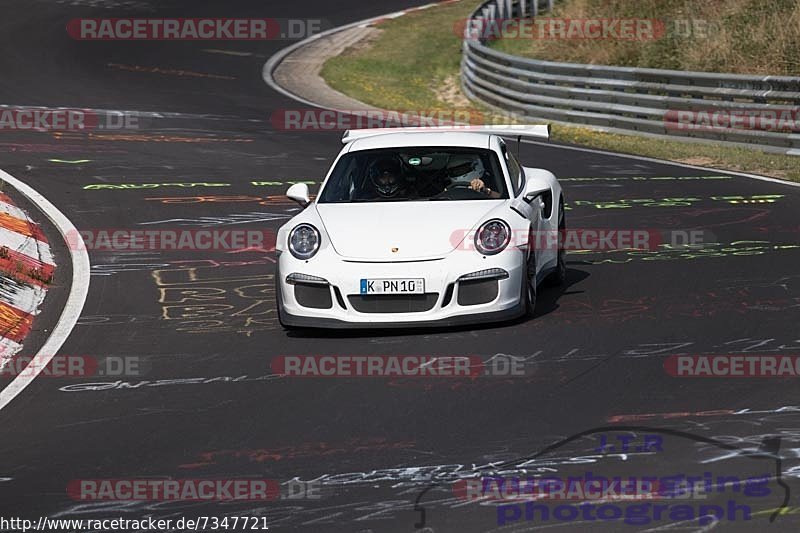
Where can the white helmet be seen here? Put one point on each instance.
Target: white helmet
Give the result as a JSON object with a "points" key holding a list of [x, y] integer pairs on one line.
{"points": [[465, 168]]}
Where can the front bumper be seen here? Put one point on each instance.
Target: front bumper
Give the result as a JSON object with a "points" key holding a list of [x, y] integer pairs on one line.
{"points": [[447, 301]]}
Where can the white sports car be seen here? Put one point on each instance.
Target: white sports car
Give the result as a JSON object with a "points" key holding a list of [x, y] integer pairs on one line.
{"points": [[416, 227]]}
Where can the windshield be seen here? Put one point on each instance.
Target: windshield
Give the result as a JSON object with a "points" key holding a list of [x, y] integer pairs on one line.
{"points": [[415, 174]]}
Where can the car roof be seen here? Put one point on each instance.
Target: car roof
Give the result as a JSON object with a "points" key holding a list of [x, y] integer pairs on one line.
{"points": [[397, 140]]}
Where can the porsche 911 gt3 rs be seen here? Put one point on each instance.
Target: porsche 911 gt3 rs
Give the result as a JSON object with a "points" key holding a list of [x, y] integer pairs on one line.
{"points": [[418, 226]]}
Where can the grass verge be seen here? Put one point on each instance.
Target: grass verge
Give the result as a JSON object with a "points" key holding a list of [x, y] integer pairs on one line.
{"points": [[413, 62], [739, 36]]}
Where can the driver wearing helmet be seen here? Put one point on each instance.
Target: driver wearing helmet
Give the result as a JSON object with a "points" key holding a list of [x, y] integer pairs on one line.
{"points": [[469, 169], [385, 178]]}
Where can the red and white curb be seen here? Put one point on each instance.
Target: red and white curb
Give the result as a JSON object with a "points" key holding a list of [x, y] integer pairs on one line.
{"points": [[25, 265]]}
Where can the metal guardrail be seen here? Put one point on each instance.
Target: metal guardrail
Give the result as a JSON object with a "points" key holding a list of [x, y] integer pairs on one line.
{"points": [[631, 100]]}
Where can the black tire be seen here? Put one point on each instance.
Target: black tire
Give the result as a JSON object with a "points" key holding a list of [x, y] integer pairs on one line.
{"points": [[558, 277]]}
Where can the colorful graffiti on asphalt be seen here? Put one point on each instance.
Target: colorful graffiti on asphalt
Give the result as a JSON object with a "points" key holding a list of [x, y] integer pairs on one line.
{"points": [[646, 178], [147, 137], [184, 185], [225, 220], [688, 201], [98, 186], [200, 300], [296, 451], [669, 252], [260, 200]]}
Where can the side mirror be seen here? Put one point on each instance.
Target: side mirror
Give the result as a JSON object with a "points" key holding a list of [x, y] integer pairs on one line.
{"points": [[533, 190], [299, 193]]}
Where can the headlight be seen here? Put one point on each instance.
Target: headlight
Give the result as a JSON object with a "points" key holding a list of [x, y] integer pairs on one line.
{"points": [[304, 241], [492, 237]]}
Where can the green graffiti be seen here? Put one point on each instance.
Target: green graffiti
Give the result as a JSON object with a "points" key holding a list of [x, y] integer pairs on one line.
{"points": [[648, 178], [668, 252], [626, 203]]}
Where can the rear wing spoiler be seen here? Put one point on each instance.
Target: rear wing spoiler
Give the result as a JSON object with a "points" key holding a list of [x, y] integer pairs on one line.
{"points": [[511, 130]]}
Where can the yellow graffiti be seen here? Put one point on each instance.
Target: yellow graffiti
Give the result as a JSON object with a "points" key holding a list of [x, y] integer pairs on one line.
{"points": [[183, 312], [199, 302], [781, 511], [145, 137], [194, 294]]}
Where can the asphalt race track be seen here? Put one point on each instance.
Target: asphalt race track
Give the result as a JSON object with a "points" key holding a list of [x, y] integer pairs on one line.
{"points": [[207, 405]]}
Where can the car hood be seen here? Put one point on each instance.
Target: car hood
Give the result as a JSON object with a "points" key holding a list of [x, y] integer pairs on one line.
{"points": [[418, 230]]}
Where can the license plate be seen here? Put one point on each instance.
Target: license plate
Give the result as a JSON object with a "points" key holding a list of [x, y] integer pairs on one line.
{"points": [[393, 286]]}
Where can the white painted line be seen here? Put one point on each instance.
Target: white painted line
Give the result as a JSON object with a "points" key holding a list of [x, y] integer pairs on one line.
{"points": [[77, 292], [275, 59], [27, 245]]}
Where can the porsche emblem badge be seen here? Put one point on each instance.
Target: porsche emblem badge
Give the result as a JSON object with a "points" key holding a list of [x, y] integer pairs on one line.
{"points": [[395, 250]]}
